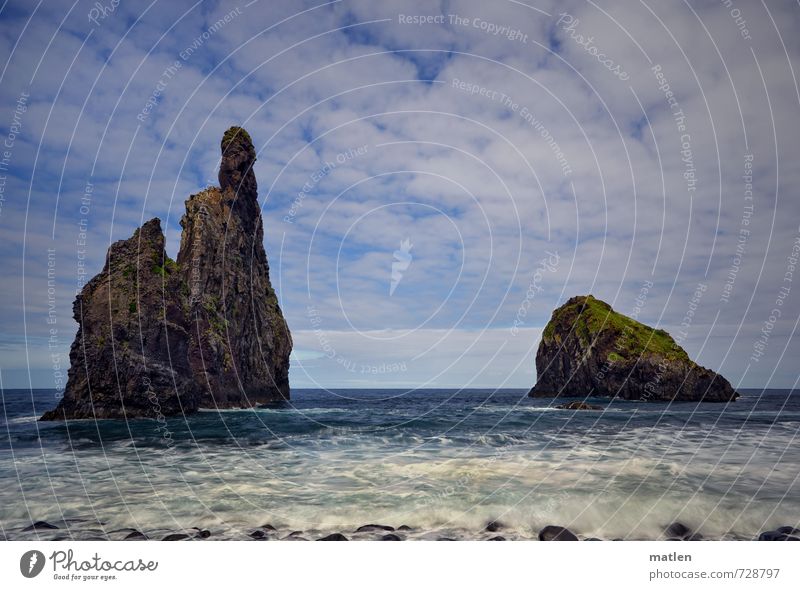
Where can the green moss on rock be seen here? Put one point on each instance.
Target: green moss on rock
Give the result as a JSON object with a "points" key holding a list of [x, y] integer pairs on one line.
{"points": [[588, 349], [590, 318], [234, 134]]}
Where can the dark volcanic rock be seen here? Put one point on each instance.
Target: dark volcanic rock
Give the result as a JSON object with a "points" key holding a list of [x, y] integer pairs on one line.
{"points": [[161, 338], [236, 167], [498, 538], [391, 537], [129, 358], [588, 349], [334, 537], [374, 527], [240, 343], [136, 535], [780, 534], [556, 533], [176, 537], [677, 529], [258, 535], [494, 526], [788, 530], [578, 406], [40, 525]]}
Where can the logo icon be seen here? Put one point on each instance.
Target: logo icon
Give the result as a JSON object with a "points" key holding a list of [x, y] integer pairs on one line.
{"points": [[31, 563], [402, 260]]}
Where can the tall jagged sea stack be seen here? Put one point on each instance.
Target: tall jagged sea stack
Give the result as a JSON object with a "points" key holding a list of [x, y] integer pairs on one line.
{"points": [[159, 338]]}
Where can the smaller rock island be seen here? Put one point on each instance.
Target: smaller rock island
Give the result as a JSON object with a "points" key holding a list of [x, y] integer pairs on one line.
{"points": [[590, 350]]}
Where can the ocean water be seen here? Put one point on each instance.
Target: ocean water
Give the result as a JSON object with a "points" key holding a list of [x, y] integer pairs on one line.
{"points": [[443, 462]]}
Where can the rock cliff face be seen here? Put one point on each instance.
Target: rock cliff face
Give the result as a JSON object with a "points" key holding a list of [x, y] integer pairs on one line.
{"points": [[588, 349], [240, 343], [159, 338], [129, 358]]}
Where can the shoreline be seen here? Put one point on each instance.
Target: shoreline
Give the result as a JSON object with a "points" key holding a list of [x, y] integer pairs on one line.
{"points": [[84, 530]]}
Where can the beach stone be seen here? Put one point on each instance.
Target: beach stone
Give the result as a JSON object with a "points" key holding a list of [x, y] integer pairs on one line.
{"points": [[135, 535], [677, 529], [40, 525], [203, 534], [374, 527], [788, 530], [556, 533], [334, 537], [176, 537], [776, 536], [391, 537], [404, 527], [258, 535], [498, 538], [269, 527], [494, 526]]}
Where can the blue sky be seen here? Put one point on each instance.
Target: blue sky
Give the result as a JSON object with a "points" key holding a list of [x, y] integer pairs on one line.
{"points": [[525, 152]]}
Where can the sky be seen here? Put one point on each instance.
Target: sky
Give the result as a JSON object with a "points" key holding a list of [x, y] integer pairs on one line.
{"points": [[435, 177]]}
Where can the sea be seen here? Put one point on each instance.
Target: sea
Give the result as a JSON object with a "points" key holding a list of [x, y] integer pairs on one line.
{"points": [[441, 463]]}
